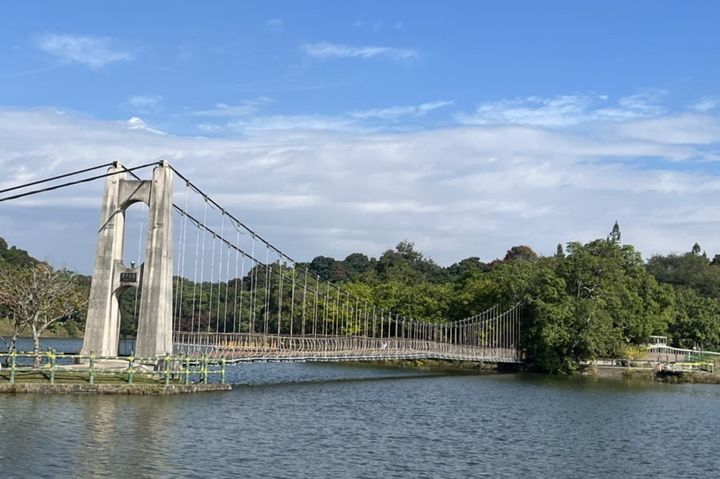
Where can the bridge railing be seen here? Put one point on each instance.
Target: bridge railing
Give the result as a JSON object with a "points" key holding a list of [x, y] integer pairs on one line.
{"points": [[248, 346]]}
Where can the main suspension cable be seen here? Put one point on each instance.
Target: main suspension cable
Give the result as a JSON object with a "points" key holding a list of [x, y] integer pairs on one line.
{"points": [[70, 183], [58, 177]]}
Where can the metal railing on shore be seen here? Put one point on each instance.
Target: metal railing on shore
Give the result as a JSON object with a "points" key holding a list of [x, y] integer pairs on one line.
{"points": [[67, 368], [656, 364], [703, 366]]}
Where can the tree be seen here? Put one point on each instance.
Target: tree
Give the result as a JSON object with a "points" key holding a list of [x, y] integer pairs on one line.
{"points": [[520, 252], [322, 266], [466, 268], [696, 323], [614, 235], [588, 304], [14, 257], [37, 297], [356, 264], [691, 270], [408, 265], [18, 327]]}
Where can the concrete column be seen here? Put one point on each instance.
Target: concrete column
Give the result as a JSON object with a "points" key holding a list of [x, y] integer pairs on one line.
{"points": [[103, 320], [111, 276], [155, 320]]}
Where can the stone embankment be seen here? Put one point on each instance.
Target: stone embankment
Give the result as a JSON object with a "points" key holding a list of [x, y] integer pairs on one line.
{"points": [[648, 374]]}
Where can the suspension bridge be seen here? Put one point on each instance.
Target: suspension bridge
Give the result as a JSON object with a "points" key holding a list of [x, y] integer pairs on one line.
{"points": [[206, 284]]}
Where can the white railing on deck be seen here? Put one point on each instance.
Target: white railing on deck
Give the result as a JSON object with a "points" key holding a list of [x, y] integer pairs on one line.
{"points": [[259, 347]]}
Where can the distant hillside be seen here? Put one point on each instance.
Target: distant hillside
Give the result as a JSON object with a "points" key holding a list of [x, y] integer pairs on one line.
{"points": [[13, 256]]}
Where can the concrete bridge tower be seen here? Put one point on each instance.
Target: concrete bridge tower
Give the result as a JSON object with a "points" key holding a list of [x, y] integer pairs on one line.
{"points": [[153, 277]]}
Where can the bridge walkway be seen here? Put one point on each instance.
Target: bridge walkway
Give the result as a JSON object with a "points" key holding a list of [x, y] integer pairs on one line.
{"points": [[247, 347]]}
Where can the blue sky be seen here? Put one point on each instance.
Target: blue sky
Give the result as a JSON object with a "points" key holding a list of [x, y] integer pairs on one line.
{"points": [[195, 56], [466, 127]]}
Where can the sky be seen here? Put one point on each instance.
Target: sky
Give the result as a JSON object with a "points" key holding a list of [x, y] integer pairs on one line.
{"points": [[339, 127]]}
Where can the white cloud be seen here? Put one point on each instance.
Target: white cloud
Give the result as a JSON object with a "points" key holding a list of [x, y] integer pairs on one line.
{"points": [[243, 118], [145, 103], [292, 123], [92, 51], [137, 123], [706, 103], [644, 103], [246, 108], [274, 25], [456, 192], [400, 111], [563, 110], [691, 129], [267, 200], [327, 51]]}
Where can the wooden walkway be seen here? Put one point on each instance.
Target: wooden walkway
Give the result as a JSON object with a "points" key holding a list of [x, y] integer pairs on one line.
{"points": [[245, 347]]}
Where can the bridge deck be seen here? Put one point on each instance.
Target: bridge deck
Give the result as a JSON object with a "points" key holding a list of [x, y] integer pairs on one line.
{"points": [[246, 347]]}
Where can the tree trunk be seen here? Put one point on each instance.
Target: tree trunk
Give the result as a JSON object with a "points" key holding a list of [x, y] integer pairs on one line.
{"points": [[18, 328], [11, 346], [13, 341], [36, 345]]}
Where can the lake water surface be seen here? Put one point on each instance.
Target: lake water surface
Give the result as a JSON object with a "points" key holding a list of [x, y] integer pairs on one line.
{"points": [[313, 420]]}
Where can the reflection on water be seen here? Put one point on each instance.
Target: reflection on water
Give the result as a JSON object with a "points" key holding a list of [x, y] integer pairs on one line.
{"points": [[329, 420], [145, 427], [100, 431]]}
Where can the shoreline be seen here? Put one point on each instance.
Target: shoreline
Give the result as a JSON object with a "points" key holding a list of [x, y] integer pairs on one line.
{"points": [[652, 375], [108, 389], [442, 366], [616, 373]]}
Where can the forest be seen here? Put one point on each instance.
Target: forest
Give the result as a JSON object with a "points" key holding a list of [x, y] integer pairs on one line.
{"points": [[588, 300]]}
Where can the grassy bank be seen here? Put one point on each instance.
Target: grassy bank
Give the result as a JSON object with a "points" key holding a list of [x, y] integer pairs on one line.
{"points": [[68, 329]]}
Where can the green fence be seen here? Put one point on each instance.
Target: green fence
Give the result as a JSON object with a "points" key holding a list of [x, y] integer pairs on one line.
{"points": [[68, 368]]}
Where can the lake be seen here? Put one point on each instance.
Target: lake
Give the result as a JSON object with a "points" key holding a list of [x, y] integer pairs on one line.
{"points": [[313, 420]]}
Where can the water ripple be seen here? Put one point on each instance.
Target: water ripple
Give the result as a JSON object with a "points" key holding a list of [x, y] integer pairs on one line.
{"points": [[315, 421]]}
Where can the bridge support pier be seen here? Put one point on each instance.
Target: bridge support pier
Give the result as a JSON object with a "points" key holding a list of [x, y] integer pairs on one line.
{"points": [[111, 276], [155, 321]]}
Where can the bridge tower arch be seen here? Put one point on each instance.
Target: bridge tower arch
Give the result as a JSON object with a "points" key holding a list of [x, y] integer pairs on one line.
{"points": [[111, 276]]}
